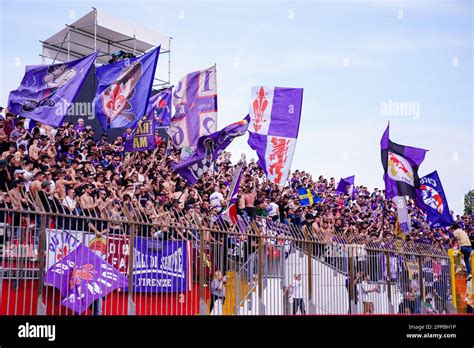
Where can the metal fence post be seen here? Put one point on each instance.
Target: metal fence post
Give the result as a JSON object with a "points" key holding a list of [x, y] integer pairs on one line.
{"points": [[352, 295], [41, 307], [261, 304], [420, 277], [311, 304], [202, 295], [391, 310], [132, 309]]}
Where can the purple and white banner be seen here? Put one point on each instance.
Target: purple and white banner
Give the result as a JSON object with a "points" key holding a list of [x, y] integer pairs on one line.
{"points": [[59, 243], [208, 149], [161, 266], [160, 107], [47, 92], [195, 101], [83, 277], [402, 211], [124, 89], [275, 114]]}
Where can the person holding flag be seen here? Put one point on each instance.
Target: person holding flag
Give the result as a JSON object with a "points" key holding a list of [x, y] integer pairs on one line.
{"points": [[400, 165]]}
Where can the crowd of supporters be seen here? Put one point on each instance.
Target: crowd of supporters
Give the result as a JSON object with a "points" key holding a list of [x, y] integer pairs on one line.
{"points": [[73, 170]]}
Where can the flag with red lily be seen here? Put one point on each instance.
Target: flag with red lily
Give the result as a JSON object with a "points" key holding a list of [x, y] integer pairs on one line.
{"points": [[275, 114], [83, 277]]}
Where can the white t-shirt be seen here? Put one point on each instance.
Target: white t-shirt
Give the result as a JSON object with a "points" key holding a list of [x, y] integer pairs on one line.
{"points": [[364, 295], [297, 289], [215, 199], [69, 202], [272, 209]]}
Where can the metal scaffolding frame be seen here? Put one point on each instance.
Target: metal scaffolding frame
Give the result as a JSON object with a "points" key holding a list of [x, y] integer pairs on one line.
{"points": [[63, 48]]}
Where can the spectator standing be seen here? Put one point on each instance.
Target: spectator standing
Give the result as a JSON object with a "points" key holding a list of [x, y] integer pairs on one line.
{"points": [[365, 291], [217, 293], [296, 290], [465, 247]]}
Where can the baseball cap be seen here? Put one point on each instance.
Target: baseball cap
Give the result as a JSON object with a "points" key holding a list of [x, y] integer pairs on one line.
{"points": [[45, 184]]}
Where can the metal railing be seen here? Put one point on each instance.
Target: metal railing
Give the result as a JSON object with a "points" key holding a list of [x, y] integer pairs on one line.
{"points": [[121, 258]]}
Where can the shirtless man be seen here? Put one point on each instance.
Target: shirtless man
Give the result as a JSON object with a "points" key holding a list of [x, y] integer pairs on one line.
{"points": [[169, 185], [61, 185], [35, 185], [34, 151], [87, 201], [17, 195]]}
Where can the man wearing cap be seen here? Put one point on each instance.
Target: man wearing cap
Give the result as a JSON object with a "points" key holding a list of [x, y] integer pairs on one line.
{"points": [[18, 174], [465, 247]]}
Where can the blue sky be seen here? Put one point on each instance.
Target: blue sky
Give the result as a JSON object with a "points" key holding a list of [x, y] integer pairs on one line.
{"points": [[350, 57]]}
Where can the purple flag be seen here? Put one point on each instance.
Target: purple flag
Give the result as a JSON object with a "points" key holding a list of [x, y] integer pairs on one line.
{"points": [[160, 106], [346, 186], [82, 277], [431, 199], [161, 266], [231, 211], [123, 89], [143, 135], [195, 101], [275, 120], [209, 147], [47, 92], [400, 164]]}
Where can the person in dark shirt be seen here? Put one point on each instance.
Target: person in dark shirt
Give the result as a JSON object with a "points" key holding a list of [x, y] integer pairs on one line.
{"points": [[5, 177]]}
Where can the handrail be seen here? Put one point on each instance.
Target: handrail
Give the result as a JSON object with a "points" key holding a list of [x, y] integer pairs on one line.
{"points": [[238, 276]]}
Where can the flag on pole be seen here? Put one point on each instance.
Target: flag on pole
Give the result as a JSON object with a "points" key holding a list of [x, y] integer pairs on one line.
{"points": [[195, 101], [231, 210], [431, 199], [123, 89], [47, 92], [346, 186], [275, 114], [400, 165], [208, 148], [403, 220], [307, 197], [143, 135], [160, 107]]}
